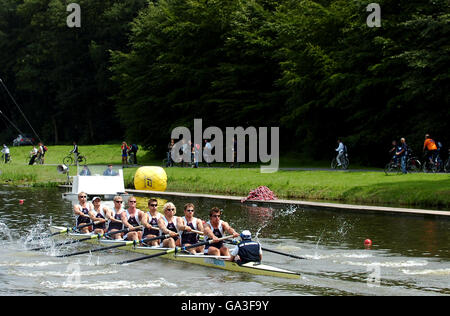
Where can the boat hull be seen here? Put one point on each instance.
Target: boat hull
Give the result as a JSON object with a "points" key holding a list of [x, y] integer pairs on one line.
{"points": [[199, 259]]}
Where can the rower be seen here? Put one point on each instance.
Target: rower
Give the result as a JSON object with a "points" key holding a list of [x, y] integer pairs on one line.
{"points": [[150, 222], [132, 218], [168, 225], [186, 225], [246, 250], [81, 211], [115, 218], [98, 215], [215, 229]]}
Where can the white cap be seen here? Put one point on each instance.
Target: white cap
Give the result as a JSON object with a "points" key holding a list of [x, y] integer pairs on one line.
{"points": [[246, 234], [95, 198]]}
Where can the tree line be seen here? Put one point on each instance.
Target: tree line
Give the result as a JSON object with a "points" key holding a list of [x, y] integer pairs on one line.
{"points": [[136, 69]]}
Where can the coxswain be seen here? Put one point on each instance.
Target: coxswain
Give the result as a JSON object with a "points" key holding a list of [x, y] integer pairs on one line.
{"points": [[246, 250], [115, 217], [187, 225], [215, 229], [168, 226], [131, 219], [99, 215], [150, 222], [81, 211]]}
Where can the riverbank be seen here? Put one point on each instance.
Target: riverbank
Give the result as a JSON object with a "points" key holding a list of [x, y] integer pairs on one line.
{"points": [[371, 188], [365, 187]]}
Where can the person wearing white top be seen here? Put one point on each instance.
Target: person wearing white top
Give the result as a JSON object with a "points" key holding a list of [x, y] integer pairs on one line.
{"points": [[214, 229], [340, 150], [99, 215], [189, 228], [81, 212], [168, 226], [131, 219], [5, 151]]}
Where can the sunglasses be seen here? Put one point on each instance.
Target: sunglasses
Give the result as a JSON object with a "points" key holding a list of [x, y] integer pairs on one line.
{"points": [[131, 201], [154, 205], [189, 210], [170, 209], [118, 201], [82, 196]]}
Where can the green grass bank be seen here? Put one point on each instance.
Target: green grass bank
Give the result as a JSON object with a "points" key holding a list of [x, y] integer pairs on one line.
{"points": [[371, 188]]}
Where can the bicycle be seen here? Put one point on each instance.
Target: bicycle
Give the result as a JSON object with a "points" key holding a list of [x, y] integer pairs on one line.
{"points": [[28, 159], [70, 160], [432, 166], [393, 166], [447, 163], [344, 162], [413, 163]]}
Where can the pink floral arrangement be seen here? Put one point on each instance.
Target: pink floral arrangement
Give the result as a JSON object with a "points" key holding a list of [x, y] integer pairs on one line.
{"points": [[261, 193]]}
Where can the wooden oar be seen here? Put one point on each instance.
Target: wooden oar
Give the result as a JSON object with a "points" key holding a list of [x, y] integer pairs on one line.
{"points": [[123, 244], [275, 251], [176, 249], [93, 236]]}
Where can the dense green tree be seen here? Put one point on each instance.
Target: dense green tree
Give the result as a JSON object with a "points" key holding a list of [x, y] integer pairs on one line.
{"points": [[313, 68], [61, 73]]}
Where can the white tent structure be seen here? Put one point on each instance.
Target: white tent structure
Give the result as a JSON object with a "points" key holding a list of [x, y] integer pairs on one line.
{"points": [[106, 181]]}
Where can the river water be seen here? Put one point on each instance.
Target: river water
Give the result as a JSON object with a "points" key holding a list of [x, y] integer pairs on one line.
{"points": [[409, 256]]}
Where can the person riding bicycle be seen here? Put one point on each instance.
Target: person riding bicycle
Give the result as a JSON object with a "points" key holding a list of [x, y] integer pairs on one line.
{"points": [[5, 152], [342, 151], [75, 151], [431, 149]]}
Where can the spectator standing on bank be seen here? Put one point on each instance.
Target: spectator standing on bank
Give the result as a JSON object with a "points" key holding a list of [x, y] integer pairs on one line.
{"points": [[133, 153], [41, 152], [169, 153], [33, 155], [6, 153], [403, 154], [207, 153], [195, 155], [125, 150]]}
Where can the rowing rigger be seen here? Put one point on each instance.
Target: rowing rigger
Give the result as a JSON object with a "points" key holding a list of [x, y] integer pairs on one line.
{"points": [[178, 254]]}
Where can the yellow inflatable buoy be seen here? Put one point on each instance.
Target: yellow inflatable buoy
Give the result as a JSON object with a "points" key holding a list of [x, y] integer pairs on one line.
{"points": [[150, 179]]}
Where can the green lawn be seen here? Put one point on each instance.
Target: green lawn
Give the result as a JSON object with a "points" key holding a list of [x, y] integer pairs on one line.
{"points": [[420, 190], [361, 187]]}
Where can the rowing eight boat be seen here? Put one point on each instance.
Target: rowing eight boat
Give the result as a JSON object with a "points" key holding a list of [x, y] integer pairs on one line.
{"points": [[200, 259]]}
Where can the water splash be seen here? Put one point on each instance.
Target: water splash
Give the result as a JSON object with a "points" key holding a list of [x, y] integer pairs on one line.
{"points": [[5, 232], [388, 264], [427, 272], [110, 285], [289, 211]]}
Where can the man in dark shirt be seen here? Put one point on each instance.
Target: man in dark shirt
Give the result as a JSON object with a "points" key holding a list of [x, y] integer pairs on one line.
{"points": [[403, 154], [247, 250]]}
